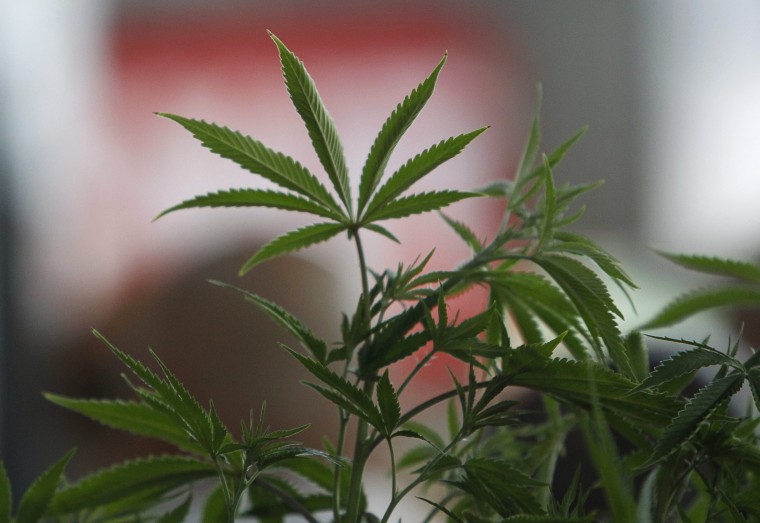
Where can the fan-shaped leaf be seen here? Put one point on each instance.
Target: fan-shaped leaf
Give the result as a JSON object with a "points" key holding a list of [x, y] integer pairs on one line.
{"points": [[178, 514], [39, 495], [319, 124], [464, 232], [257, 198], [417, 456], [722, 267], [530, 297], [171, 397], [550, 209], [416, 204], [310, 341], [531, 147], [556, 156], [392, 131], [293, 241], [452, 517], [579, 383], [578, 244], [500, 485], [215, 507], [205, 427], [383, 231], [341, 390], [136, 418], [418, 167], [387, 401], [593, 302], [697, 409], [685, 362], [698, 301], [154, 475], [275, 499], [258, 159], [638, 354]]}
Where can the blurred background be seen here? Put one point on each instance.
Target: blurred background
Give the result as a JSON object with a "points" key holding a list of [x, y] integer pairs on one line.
{"points": [[671, 94]]}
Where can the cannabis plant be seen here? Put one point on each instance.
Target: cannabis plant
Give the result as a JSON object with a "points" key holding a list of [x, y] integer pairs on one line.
{"points": [[655, 452]]}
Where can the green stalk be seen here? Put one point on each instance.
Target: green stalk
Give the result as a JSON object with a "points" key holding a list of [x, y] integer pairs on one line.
{"points": [[336, 469], [230, 498], [421, 477], [360, 447]]}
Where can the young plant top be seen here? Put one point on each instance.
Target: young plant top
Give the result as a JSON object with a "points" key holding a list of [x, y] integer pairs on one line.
{"points": [[550, 326]]}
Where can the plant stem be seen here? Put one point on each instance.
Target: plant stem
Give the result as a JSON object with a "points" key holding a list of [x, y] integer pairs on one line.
{"points": [[423, 361], [337, 468], [229, 500], [361, 450], [357, 473], [398, 496]]}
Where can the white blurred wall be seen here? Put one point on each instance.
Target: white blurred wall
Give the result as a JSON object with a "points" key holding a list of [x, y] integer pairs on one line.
{"points": [[701, 87]]}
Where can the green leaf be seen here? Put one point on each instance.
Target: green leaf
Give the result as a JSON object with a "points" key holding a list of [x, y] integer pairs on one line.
{"points": [[694, 302], [452, 517], [364, 412], [465, 233], [317, 472], [697, 409], [319, 124], [215, 507], [685, 362], [392, 131], [256, 198], [579, 383], [387, 401], [417, 456], [428, 434], [502, 486], [748, 272], [178, 514], [416, 204], [293, 241], [523, 316], [578, 244], [258, 159], [137, 418], [753, 377], [593, 302], [613, 477], [531, 148], [638, 353], [203, 426], [154, 475], [147, 376], [6, 497], [274, 498], [351, 397], [550, 207], [556, 156], [418, 167], [397, 349], [310, 341], [38, 496], [382, 230], [175, 400]]}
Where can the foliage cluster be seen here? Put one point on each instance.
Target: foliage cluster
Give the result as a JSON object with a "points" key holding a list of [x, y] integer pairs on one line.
{"points": [[550, 325]]}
